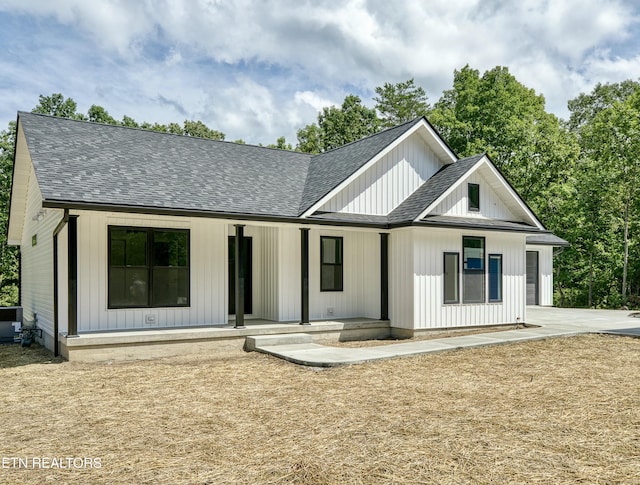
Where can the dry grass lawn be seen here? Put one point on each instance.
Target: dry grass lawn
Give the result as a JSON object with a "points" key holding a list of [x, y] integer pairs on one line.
{"points": [[557, 411]]}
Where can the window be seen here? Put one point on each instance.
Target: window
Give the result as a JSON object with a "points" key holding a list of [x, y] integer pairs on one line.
{"points": [[474, 197], [473, 270], [451, 278], [148, 267], [330, 263], [495, 277]]}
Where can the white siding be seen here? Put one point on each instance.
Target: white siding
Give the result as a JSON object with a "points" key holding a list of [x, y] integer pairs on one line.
{"points": [[401, 280], [289, 297], [276, 274], [429, 309], [491, 205], [545, 273], [361, 272], [392, 179], [268, 287], [37, 261], [208, 273]]}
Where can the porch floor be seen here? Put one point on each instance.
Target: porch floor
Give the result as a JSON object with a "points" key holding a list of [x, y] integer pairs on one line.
{"points": [[163, 342]]}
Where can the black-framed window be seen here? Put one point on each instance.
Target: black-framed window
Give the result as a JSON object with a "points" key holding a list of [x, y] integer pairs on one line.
{"points": [[473, 193], [148, 267], [331, 263], [495, 277], [473, 269], [451, 277]]}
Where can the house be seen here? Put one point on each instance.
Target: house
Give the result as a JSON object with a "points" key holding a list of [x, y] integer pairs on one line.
{"points": [[124, 232]]}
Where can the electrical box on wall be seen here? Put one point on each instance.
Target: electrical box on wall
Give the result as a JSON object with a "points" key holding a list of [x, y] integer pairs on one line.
{"points": [[150, 319]]}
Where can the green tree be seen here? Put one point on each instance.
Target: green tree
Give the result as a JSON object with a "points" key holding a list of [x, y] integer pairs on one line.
{"points": [[612, 139], [604, 228], [586, 106], [199, 129], [8, 254], [400, 102], [130, 122], [281, 144], [309, 139], [338, 126], [97, 114], [57, 105]]}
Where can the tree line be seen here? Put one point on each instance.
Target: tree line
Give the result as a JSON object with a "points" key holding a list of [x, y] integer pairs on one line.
{"points": [[580, 176]]}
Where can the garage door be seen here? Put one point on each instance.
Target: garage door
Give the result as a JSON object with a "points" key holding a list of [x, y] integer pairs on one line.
{"points": [[532, 278]]}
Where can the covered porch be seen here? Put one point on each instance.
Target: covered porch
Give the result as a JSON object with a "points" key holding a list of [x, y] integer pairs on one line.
{"points": [[239, 274]]}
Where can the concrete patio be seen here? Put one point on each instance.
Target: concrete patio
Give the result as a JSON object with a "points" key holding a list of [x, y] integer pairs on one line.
{"points": [[550, 322]]}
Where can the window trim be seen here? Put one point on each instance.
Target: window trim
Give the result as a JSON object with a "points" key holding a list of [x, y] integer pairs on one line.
{"points": [[500, 280], [340, 264], [482, 271], [149, 266], [444, 282], [470, 206]]}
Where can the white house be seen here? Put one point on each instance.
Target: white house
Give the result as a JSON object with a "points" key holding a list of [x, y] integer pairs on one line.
{"points": [[125, 231]]}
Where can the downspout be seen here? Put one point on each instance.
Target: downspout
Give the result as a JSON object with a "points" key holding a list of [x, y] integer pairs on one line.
{"points": [[56, 231]]}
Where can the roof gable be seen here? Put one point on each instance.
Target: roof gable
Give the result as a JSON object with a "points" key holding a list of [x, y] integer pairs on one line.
{"points": [[385, 184], [329, 169], [330, 172], [432, 190], [92, 163], [22, 172], [504, 202]]}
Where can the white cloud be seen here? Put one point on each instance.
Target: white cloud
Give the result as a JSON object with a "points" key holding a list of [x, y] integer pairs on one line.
{"points": [[259, 70]]}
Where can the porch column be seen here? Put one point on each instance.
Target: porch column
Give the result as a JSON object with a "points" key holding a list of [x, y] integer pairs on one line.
{"points": [[384, 276], [304, 275], [72, 260], [239, 289]]}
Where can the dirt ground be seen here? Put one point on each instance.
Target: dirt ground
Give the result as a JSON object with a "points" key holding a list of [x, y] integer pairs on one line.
{"points": [[564, 410]]}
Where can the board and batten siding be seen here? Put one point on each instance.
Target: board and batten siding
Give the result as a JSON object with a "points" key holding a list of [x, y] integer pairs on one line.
{"points": [[275, 264], [545, 273], [37, 260], [208, 246], [289, 278], [401, 281], [361, 272], [429, 309], [491, 205], [417, 279], [393, 178]]}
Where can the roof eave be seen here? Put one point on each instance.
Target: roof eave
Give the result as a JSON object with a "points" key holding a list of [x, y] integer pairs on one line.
{"points": [[168, 211], [481, 227]]}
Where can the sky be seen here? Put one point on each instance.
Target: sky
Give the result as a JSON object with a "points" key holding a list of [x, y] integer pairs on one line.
{"points": [[258, 70]]}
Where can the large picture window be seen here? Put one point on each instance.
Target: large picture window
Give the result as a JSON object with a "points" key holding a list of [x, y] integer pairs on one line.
{"points": [[330, 263], [473, 270], [451, 277], [148, 267]]}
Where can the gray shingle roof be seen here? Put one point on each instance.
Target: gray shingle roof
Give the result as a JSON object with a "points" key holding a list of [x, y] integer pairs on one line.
{"points": [[331, 168], [433, 188], [95, 164], [83, 162], [345, 217], [547, 240], [477, 223]]}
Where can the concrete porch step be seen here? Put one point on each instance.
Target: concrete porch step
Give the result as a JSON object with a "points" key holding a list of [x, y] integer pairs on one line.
{"points": [[253, 342]]}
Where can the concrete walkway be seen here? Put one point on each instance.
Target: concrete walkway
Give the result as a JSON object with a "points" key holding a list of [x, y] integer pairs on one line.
{"points": [[553, 322]]}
